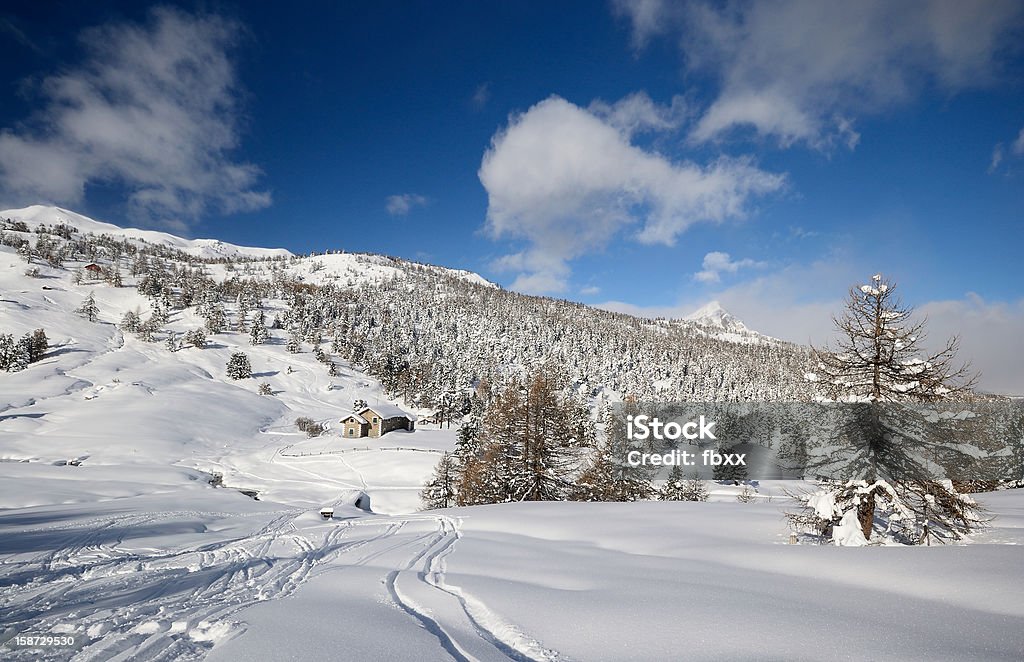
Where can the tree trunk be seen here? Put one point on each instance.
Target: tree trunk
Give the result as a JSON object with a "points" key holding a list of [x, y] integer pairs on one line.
{"points": [[866, 514]]}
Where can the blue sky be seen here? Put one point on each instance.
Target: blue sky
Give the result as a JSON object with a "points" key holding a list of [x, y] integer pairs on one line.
{"points": [[642, 156]]}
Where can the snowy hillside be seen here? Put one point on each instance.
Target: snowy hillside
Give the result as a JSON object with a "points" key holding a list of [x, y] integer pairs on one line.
{"points": [[37, 215], [454, 326], [130, 459]]}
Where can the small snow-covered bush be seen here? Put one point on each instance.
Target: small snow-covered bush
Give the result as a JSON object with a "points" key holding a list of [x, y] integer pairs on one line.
{"points": [[747, 494], [309, 426]]}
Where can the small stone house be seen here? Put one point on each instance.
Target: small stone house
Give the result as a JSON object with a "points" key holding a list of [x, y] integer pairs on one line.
{"points": [[376, 421]]}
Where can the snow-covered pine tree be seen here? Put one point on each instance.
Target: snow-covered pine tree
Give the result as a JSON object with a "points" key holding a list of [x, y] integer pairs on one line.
{"points": [[880, 359], [439, 491], [7, 351], [239, 367], [294, 344], [672, 490], [22, 353], [243, 306], [678, 488], [130, 321], [606, 480], [89, 310], [150, 285], [216, 319], [196, 338], [258, 330], [147, 329], [695, 489], [40, 343], [112, 276]]}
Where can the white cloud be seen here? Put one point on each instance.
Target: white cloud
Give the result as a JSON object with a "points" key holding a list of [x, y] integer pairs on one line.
{"points": [[648, 17], [999, 151], [797, 69], [990, 333], [637, 113], [997, 157], [716, 263], [402, 204], [152, 107], [567, 181], [590, 290]]}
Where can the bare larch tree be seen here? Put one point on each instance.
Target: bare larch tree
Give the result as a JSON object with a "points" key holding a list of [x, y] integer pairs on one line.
{"points": [[880, 355]]}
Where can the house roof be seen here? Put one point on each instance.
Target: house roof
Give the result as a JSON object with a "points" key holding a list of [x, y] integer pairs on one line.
{"points": [[358, 418], [386, 411]]}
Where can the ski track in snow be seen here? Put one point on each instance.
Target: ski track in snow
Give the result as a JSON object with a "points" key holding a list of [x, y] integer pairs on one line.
{"points": [[463, 625], [162, 605]]}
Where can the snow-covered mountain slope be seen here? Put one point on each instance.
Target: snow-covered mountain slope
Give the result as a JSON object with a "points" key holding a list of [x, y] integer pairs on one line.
{"points": [[454, 326], [712, 315], [339, 266], [37, 215], [715, 321]]}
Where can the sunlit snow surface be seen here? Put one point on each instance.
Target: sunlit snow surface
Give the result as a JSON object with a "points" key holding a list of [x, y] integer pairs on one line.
{"points": [[137, 554]]}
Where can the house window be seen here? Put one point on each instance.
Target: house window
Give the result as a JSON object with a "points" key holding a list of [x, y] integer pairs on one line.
{"points": [[376, 420], [351, 432]]}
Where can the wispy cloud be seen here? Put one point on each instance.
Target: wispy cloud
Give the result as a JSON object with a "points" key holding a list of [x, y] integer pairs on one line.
{"points": [[716, 263], [800, 70], [9, 27], [481, 96], [997, 158], [637, 113], [566, 180], [999, 152], [403, 203], [648, 18], [153, 108]]}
